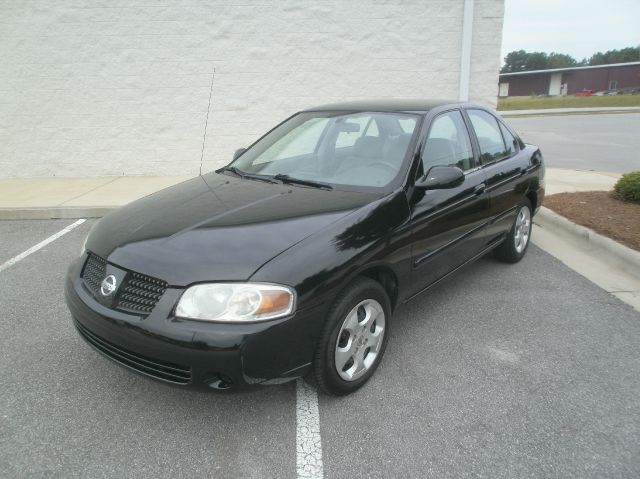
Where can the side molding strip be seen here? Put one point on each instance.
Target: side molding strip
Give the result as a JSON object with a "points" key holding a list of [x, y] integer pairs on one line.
{"points": [[479, 255], [447, 245]]}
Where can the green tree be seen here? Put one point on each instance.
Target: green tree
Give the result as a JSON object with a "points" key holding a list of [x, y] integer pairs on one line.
{"points": [[537, 61], [560, 60], [629, 54], [522, 61], [515, 61]]}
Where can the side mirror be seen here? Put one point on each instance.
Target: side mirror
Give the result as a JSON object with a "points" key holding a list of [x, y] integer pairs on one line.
{"points": [[238, 153], [440, 178]]}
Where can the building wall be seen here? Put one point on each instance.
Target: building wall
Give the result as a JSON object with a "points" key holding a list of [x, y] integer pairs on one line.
{"points": [[628, 77], [97, 87], [577, 80], [527, 85], [598, 79], [485, 50]]}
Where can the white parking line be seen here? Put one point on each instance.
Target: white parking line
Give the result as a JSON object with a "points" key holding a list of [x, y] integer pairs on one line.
{"points": [[308, 442], [42, 244]]}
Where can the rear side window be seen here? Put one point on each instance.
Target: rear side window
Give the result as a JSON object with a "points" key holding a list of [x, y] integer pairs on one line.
{"points": [[509, 140], [492, 146]]}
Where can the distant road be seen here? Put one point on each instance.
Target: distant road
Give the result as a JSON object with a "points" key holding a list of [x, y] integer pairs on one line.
{"points": [[606, 142]]}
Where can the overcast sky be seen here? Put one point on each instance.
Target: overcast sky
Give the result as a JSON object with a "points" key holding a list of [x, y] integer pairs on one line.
{"points": [[577, 27]]}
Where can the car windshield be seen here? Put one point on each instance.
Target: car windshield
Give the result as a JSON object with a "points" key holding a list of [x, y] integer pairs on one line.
{"points": [[364, 150]]}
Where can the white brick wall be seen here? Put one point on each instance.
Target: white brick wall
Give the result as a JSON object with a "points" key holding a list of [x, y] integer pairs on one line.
{"points": [[121, 87]]}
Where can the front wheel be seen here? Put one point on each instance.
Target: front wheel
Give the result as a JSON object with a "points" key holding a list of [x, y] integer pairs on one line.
{"points": [[354, 338], [514, 247]]}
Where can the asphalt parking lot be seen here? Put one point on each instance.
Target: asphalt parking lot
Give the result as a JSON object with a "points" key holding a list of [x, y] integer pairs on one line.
{"points": [[601, 142], [524, 370]]}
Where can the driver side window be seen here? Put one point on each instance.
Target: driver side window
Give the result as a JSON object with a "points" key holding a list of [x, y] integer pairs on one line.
{"points": [[447, 143]]}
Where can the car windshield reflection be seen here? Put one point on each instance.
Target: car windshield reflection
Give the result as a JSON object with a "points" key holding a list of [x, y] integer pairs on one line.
{"points": [[333, 149]]}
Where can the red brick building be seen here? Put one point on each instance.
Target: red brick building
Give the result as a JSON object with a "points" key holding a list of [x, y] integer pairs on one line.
{"points": [[569, 81]]}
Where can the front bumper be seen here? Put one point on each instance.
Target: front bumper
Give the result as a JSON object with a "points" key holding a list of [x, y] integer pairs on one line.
{"points": [[196, 354]]}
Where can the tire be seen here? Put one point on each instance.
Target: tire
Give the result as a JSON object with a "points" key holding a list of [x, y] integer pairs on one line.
{"points": [[515, 246], [353, 339]]}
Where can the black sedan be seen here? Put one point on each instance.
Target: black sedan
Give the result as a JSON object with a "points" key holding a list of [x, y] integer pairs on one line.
{"points": [[290, 261]]}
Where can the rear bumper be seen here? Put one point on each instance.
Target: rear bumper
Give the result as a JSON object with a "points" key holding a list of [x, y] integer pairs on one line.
{"points": [[196, 354]]}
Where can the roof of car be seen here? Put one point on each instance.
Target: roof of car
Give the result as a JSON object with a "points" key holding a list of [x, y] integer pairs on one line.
{"points": [[412, 105]]}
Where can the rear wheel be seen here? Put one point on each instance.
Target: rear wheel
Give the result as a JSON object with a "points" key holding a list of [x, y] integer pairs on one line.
{"points": [[354, 338], [514, 247]]}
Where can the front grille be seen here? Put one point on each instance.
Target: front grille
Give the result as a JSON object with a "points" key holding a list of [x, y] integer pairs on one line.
{"points": [[94, 272], [165, 371], [139, 293]]}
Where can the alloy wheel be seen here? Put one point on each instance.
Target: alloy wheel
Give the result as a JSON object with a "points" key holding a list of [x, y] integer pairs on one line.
{"points": [[360, 340], [522, 229]]}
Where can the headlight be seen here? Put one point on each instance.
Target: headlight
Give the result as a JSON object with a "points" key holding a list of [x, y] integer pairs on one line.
{"points": [[236, 302]]}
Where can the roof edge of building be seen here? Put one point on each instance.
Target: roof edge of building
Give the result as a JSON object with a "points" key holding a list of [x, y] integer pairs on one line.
{"points": [[555, 70]]}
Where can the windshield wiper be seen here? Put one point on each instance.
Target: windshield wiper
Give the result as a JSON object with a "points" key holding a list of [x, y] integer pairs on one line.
{"points": [[233, 170], [299, 181], [244, 174]]}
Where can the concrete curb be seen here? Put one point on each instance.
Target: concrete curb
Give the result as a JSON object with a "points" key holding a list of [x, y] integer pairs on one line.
{"points": [[55, 212], [613, 252]]}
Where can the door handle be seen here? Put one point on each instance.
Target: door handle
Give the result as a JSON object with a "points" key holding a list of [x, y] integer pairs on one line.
{"points": [[479, 189]]}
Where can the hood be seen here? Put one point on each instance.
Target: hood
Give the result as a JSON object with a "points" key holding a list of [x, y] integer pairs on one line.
{"points": [[216, 227]]}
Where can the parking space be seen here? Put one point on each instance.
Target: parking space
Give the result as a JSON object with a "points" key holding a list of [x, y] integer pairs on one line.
{"points": [[501, 371], [68, 411], [17, 236]]}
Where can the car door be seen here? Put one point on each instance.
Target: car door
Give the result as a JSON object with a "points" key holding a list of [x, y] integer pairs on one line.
{"points": [[504, 165], [447, 224]]}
